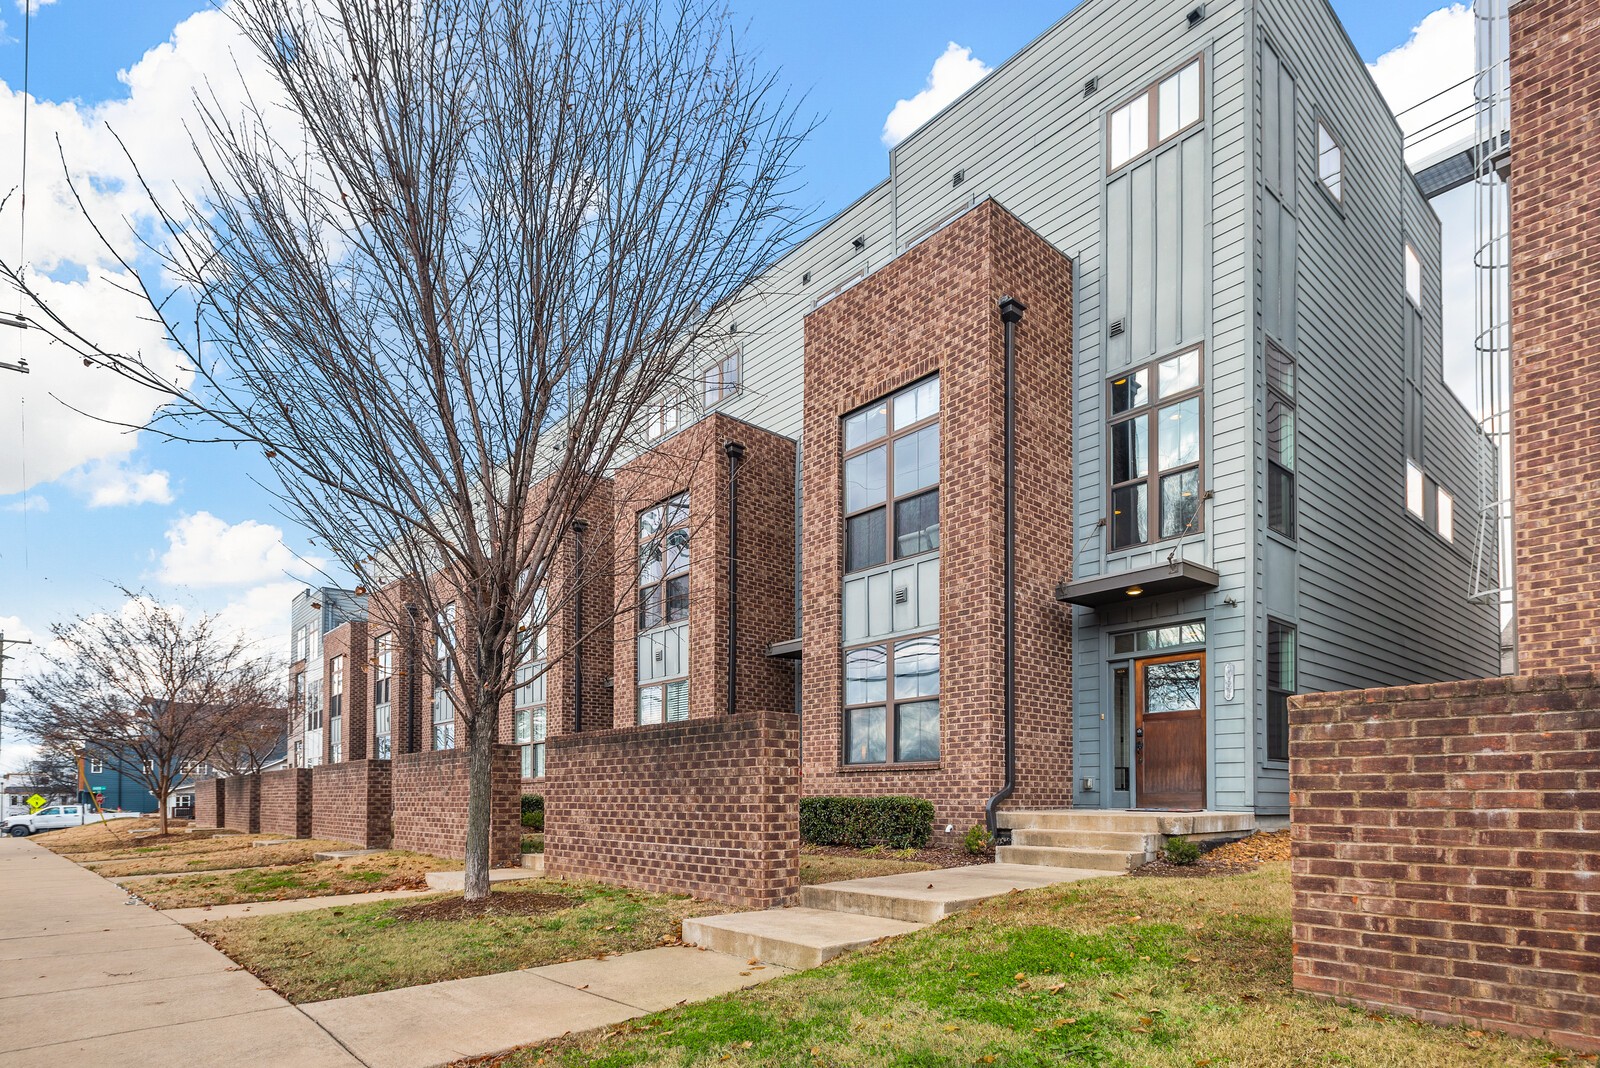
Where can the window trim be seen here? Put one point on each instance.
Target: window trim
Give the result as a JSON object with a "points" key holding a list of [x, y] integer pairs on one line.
{"points": [[1152, 93], [890, 704], [665, 505], [1154, 473], [891, 500]]}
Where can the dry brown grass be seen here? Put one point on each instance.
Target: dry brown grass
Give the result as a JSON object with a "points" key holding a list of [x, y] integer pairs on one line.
{"points": [[818, 867], [370, 873]]}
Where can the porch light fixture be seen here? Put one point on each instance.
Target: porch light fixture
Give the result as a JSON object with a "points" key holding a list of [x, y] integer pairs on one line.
{"points": [[1134, 591]]}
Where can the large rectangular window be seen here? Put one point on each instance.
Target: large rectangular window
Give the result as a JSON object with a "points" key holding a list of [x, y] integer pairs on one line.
{"points": [[1280, 441], [891, 478], [891, 698], [528, 701], [382, 684], [1281, 684], [1330, 162], [663, 543], [1155, 431], [444, 707], [1158, 114], [336, 709], [721, 379]]}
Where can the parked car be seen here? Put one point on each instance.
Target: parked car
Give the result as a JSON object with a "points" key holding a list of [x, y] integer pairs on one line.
{"points": [[54, 817]]}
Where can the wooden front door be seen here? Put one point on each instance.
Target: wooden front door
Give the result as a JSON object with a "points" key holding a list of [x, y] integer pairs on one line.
{"points": [[1170, 732]]}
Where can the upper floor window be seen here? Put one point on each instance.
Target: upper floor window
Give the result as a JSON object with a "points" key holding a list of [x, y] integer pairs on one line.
{"points": [[96, 767], [891, 477], [1445, 515], [664, 563], [662, 419], [336, 687], [1280, 441], [300, 643], [1330, 162], [1158, 114], [382, 668], [444, 626], [1155, 450], [722, 379], [1413, 277], [1415, 503]]}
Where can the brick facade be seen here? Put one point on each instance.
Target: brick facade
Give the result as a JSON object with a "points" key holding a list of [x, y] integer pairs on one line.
{"points": [[934, 309], [1555, 365], [430, 805], [286, 802], [348, 640], [242, 804], [708, 807], [210, 803], [1444, 852], [694, 460], [350, 802], [410, 696]]}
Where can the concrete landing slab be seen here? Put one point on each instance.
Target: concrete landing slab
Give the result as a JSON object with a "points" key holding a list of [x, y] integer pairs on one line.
{"points": [[930, 896], [533, 862], [345, 854], [791, 938], [457, 880], [206, 913], [261, 843]]}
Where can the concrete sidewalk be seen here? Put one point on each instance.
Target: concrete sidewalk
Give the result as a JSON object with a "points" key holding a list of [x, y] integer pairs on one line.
{"points": [[88, 979]]}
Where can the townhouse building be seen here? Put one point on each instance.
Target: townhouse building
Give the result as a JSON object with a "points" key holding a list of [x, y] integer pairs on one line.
{"points": [[1042, 475]]}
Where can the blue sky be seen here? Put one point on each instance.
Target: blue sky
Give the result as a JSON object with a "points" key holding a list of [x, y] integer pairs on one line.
{"points": [[188, 521]]}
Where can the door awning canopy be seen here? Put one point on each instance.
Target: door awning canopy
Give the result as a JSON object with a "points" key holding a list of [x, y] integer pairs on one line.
{"points": [[1181, 576]]}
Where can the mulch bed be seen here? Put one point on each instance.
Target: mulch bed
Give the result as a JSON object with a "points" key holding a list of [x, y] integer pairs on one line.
{"points": [[1231, 858], [938, 856], [501, 903]]}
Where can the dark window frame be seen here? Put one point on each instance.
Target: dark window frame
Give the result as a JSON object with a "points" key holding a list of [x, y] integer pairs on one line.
{"points": [[1277, 721], [657, 540], [890, 705], [1152, 94], [1150, 410], [891, 501], [1283, 478]]}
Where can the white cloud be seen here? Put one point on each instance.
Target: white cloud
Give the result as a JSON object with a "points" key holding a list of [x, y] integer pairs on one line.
{"points": [[1427, 81], [203, 550], [75, 274], [953, 73], [33, 503], [17, 749], [107, 484], [261, 613]]}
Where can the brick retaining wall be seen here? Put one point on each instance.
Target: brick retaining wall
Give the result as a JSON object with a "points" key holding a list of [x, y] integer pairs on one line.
{"points": [[1447, 855], [286, 802], [209, 804], [350, 803], [242, 804], [430, 804], [708, 807]]}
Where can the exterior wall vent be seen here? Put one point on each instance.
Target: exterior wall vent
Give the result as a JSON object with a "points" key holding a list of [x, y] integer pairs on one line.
{"points": [[1091, 86], [1197, 15], [859, 244], [957, 178], [902, 595], [1118, 328]]}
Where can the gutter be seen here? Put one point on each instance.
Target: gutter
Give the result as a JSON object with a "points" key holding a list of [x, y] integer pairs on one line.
{"points": [[1011, 311], [735, 454], [579, 527]]}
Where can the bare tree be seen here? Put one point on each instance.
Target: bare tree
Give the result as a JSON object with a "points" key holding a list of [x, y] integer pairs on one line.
{"points": [[251, 733], [504, 236], [146, 690]]}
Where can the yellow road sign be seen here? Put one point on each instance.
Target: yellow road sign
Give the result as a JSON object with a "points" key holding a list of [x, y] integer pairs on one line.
{"points": [[35, 803]]}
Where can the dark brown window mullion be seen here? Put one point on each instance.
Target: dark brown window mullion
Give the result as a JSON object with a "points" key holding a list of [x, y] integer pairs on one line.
{"points": [[890, 499]]}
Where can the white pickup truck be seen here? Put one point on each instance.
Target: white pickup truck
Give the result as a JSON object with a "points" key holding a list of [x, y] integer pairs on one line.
{"points": [[54, 817]]}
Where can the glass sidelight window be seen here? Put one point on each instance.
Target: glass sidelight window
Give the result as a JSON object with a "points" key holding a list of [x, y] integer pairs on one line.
{"points": [[382, 685], [1280, 441], [891, 697], [891, 478], [1156, 115], [663, 601], [1281, 685], [1155, 434]]}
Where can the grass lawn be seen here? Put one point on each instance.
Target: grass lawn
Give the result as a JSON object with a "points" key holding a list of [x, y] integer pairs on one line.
{"points": [[281, 882], [817, 867], [359, 949], [1187, 973], [221, 853]]}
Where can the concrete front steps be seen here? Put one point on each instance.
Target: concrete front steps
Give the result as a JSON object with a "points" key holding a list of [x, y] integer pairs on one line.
{"points": [[1109, 841], [836, 917]]}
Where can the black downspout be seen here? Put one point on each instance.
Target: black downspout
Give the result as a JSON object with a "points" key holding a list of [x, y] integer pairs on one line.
{"points": [[1011, 311], [735, 453], [411, 681], [579, 528]]}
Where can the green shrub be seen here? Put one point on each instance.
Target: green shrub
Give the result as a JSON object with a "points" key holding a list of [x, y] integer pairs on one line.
{"points": [[533, 812], [977, 840], [1182, 851], [860, 822]]}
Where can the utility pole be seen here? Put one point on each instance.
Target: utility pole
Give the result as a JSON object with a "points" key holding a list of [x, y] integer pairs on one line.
{"points": [[4, 656], [21, 323]]}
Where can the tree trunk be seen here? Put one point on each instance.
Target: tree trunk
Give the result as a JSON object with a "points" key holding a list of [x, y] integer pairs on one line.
{"points": [[161, 806], [481, 736]]}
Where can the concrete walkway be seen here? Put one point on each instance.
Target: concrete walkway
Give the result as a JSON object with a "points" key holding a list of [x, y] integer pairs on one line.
{"points": [[204, 913], [88, 979]]}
